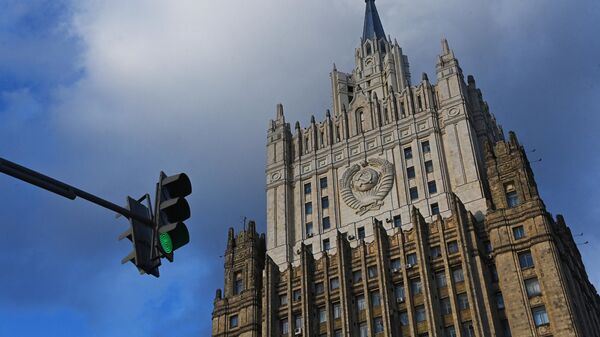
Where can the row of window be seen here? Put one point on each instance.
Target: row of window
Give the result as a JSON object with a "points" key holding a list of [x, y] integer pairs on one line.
{"points": [[408, 153], [410, 171], [325, 224], [308, 208], [322, 184], [395, 264], [416, 286], [540, 317]]}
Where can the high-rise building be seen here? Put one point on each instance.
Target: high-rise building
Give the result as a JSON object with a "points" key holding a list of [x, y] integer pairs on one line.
{"points": [[404, 213]]}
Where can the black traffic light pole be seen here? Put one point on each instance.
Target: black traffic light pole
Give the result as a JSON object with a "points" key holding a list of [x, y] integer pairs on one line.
{"points": [[65, 190]]}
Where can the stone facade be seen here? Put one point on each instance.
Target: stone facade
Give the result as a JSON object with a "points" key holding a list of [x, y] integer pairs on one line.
{"points": [[403, 213], [431, 135]]}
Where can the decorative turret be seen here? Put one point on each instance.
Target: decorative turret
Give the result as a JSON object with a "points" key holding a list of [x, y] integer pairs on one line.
{"points": [[509, 174], [237, 306]]}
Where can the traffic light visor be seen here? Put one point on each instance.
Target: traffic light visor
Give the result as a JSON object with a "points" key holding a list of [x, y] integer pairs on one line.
{"points": [[178, 185]]}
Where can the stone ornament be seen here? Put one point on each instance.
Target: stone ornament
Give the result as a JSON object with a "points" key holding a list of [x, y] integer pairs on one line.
{"points": [[365, 186]]}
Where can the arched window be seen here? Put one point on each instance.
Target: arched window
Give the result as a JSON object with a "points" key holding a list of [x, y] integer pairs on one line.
{"points": [[360, 121], [369, 49], [306, 144]]}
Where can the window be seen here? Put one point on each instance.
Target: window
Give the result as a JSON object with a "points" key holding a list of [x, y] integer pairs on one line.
{"points": [[425, 147], [323, 182], [233, 321], [360, 232], [283, 299], [435, 209], [322, 133], [308, 208], [411, 259], [319, 288], [499, 301], [361, 121], [432, 187], [518, 232], [309, 229], [325, 202], [407, 152], [372, 271], [420, 101], [450, 331], [414, 193], [397, 221], [334, 283], [420, 314], [410, 172], [446, 306], [307, 188], [452, 247], [468, 330], [309, 248], [306, 145], [395, 264], [494, 273], [284, 325], [429, 166], [360, 303], [435, 252], [540, 317], [322, 315], [337, 333], [375, 299], [356, 276], [326, 245], [458, 275], [238, 283], [364, 331], [533, 287], [326, 223], [296, 295], [399, 292], [463, 301], [512, 199], [526, 260], [403, 318], [298, 321], [440, 279], [488, 247], [337, 310], [378, 325], [506, 328], [415, 286]]}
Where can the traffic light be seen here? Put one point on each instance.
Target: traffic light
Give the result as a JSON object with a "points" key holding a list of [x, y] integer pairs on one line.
{"points": [[171, 210], [144, 255]]}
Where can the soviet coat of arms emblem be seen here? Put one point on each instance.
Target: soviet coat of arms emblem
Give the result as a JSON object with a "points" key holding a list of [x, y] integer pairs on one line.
{"points": [[363, 188]]}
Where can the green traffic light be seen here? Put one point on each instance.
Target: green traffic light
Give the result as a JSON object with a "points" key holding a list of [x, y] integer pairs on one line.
{"points": [[166, 243]]}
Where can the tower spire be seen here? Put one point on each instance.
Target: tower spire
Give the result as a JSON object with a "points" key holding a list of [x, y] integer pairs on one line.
{"points": [[373, 29]]}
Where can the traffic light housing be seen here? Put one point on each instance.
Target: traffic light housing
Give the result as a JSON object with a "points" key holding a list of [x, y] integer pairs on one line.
{"points": [[171, 209], [143, 236]]}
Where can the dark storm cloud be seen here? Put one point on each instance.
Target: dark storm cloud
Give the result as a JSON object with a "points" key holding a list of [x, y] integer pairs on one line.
{"points": [[105, 94]]}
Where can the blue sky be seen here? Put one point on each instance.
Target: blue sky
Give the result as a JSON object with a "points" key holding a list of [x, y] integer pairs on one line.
{"points": [[105, 94]]}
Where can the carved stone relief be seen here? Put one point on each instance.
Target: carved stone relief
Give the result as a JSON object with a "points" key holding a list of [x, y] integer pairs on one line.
{"points": [[363, 187]]}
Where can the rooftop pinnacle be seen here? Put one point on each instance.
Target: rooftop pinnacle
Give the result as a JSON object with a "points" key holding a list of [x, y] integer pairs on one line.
{"points": [[373, 28]]}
